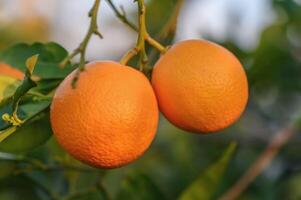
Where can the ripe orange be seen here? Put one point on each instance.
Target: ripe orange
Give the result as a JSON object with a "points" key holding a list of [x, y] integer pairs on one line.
{"points": [[10, 71], [200, 86], [109, 119]]}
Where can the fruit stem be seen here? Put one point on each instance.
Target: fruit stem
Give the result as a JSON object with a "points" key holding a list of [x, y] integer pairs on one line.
{"points": [[93, 30], [123, 17], [143, 59], [143, 36]]}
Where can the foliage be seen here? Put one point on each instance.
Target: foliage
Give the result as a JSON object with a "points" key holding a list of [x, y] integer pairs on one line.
{"points": [[50, 56], [207, 183]]}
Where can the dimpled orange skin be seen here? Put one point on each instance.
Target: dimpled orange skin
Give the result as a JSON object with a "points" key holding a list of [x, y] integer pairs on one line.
{"points": [[10, 71], [109, 119], [200, 86]]}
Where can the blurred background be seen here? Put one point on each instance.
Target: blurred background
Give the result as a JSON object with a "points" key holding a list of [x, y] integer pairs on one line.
{"points": [[264, 34]]}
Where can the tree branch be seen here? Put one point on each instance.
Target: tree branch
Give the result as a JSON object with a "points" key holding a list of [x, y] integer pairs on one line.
{"points": [[261, 163], [93, 30], [140, 45], [143, 34], [122, 16]]}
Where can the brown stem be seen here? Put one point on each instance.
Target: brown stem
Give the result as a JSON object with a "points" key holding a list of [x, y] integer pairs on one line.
{"points": [[81, 50], [122, 16], [260, 164]]}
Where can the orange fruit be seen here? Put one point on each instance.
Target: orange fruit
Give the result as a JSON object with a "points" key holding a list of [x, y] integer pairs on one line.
{"points": [[200, 86], [109, 119], [10, 71]]}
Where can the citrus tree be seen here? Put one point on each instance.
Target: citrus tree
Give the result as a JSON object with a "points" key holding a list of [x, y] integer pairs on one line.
{"points": [[104, 115]]}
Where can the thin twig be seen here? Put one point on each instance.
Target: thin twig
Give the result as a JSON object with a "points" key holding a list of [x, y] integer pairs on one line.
{"points": [[93, 30], [155, 43], [143, 34], [140, 45], [122, 15], [260, 164]]}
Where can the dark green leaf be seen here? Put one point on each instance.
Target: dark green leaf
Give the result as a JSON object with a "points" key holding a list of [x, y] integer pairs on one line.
{"points": [[6, 133], [7, 168], [29, 136], [50, 56], [139, 186], [206, 185], [156, 22], [8, 87], [33, 133]]}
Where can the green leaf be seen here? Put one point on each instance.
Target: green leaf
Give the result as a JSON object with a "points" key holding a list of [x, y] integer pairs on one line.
{"points": [[7, 168], [18, 187], [46, 86], [6, 133], [206, 185], [33, 107], [31, 135], [50, 56], [139, 186], [20, 92], [30, 106], [27, 109], [156, 22], [31, 63], [292, 187], [8, 86], [4, 109], [273, 52]]}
